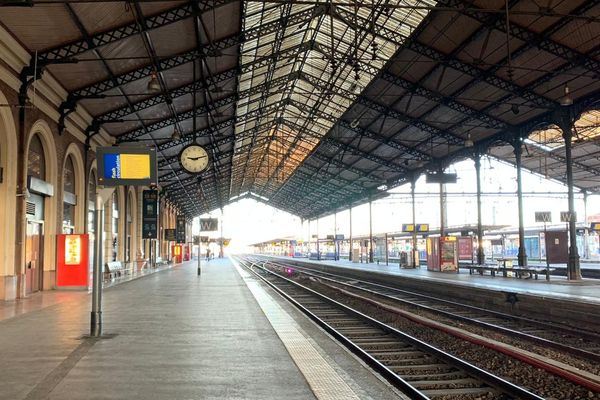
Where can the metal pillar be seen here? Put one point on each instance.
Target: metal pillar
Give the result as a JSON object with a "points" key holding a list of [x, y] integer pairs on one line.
{"points": [[480, 253], [413, 183], [370, 231], [96, 314], [386, 249], [442, 209], [586, 247], [522, 255], [318, 250], [222, 251], [335, 241], [350, 251], [573, 268]]}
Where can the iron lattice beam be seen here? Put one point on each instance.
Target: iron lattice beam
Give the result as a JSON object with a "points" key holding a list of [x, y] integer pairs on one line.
{"points": [[100, 39]]}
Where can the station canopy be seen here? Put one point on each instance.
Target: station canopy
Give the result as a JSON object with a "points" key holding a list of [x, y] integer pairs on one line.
{"points": [[313, 106]]}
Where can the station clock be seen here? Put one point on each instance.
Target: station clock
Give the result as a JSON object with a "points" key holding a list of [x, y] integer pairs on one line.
{"points": [[194, 159]]}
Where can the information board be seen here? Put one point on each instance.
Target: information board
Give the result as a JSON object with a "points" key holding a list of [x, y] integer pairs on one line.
{"points": [[180, 229], [408, 228], [595, 226], [170, 235], [150, 214], [72, 261], [566, 216], [126, 166]]}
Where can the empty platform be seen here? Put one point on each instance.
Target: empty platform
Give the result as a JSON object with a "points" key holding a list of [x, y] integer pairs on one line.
{"points": [[174, 335]]}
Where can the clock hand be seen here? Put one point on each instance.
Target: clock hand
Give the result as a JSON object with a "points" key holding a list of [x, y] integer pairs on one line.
{"points": [[195, 158]]}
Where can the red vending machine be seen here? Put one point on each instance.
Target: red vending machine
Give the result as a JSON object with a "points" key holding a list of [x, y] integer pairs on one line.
{"points": [[72, 262], [177, 253], [442, 254]]}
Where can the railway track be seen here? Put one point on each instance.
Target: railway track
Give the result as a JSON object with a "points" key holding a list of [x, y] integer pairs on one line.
{"points": [[415, 367], [575, 342]]}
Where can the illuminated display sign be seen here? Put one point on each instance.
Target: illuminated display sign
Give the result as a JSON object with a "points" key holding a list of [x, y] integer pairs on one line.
{"points": [[417, 228], [72, 250], [126, 166], [422, 227], [595, 226], [72, 267], [408, 228]]}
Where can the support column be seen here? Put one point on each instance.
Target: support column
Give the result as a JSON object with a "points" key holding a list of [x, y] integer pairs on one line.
{"points": [[586, 247], [480, 253], [573, 268], [335, 241], [522, 255], [221, 251], [413, 183], [309, 239], [350, 251], [442, 209], [318, 250], [370, 231]]}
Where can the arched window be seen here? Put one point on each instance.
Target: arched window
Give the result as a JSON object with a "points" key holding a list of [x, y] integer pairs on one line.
{"points": [[36, 162], [115, 225], [69, 197]]}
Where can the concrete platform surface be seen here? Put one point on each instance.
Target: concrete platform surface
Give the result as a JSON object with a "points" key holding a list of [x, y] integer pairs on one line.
{"points": [[586, 290], [171, 335]]}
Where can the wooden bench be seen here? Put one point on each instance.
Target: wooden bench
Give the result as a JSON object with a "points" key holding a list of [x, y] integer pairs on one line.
{"points": [[114, 269], [492, 269], [519, 272]]}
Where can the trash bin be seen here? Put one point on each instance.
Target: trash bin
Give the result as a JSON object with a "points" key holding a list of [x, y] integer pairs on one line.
{"points": [[404, 259]]}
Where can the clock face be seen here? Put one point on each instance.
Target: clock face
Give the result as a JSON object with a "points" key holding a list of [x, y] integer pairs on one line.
{"points": [[194, 159]]}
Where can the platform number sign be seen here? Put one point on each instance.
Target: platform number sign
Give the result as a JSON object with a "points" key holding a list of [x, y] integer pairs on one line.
{"points": [[209, 224], [543, 216], [566, 216]]}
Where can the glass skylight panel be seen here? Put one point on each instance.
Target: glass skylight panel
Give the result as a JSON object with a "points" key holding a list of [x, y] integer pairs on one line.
{"points": [[350, 46]]}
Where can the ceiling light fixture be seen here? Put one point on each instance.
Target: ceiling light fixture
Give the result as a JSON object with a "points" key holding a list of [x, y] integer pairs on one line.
{"points": [[566, 100], [515, 109], [153, 84], [469, 141], [176, 134]]}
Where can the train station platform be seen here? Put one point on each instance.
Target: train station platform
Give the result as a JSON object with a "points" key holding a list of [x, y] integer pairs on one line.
{"points": [[175, 335], [585, 291]]}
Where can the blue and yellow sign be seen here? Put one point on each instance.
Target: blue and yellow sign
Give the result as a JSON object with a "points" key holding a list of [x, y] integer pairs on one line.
{"points": [[408, 228], [126, 166], [595, 226], [422, 227]]}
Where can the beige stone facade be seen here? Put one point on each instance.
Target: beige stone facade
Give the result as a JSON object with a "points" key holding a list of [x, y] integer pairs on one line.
{"points": [[39, 119]]}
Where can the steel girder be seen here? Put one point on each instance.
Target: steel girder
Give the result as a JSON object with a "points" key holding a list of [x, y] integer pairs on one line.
{"points": [[100, 39], [475, 72], [189, 56], [190, 88], [526, 35], [214, 79]]}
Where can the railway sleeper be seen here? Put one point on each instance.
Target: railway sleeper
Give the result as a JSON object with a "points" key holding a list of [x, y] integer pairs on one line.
{"points": [[458, 374], [407, 370], [392, 355], [446, 393], [448, 383]]}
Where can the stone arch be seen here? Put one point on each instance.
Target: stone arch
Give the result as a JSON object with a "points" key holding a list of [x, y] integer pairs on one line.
{"points": [[80, 185], [8, 191], [44, 132]]}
